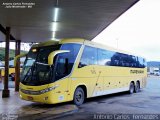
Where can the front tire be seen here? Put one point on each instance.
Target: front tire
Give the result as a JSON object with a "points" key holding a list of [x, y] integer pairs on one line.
{"points": [[131, 88], [79, 96]]}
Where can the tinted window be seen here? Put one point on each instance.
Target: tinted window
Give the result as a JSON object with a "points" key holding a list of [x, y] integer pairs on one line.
{"points": [[133, 61], [116, 60], [141, 62], [145, 63], [89, 57], [65, 61], [104, 57], [123, 60], [111, 58], [44, 52]]}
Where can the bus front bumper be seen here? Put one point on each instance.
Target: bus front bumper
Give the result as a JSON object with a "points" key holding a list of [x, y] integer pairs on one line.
{"points": [[42, 98], [42, 94]]}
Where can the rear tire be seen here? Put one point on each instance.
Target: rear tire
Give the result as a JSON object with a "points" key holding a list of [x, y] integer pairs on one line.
{"points": [[137, 87], [79, 96], [131, 88]]}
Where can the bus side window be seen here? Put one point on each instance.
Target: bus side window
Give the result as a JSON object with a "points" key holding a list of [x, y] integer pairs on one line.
{"points": [[61, 67], [116, 59], [89, 57], [141, 62], [64, 62], [104, 57]]}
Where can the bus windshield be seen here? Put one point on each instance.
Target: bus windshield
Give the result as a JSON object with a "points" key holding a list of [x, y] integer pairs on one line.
{"points": [[36, 70]]}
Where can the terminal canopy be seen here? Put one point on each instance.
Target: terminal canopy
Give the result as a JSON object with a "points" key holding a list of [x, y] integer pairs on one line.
{"points": [[42, 20]]}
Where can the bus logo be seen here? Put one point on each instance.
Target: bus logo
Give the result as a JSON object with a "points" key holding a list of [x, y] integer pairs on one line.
{"points": [[137, 71]]}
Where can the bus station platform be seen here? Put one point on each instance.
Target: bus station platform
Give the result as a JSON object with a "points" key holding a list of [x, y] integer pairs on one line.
{"points": [[15, 108]]}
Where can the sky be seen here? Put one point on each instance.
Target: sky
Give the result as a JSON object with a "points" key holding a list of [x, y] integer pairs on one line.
{"points": [[136, 31]]}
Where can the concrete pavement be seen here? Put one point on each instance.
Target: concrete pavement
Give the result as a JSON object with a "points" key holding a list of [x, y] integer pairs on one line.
{"points": [[145, 102], [14, 106]]}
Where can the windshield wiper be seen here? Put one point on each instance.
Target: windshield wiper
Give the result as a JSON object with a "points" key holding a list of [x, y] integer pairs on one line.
{"points": [[42, 63]]}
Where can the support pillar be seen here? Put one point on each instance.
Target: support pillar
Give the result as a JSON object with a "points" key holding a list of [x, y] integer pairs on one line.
{"points": [[5, 92], [17, 68]]}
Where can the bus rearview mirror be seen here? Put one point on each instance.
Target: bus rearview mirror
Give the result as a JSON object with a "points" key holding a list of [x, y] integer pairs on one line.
{"points": [[53, 54], [17, 57]]}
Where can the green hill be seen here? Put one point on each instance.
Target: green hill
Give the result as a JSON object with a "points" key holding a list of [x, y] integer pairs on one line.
{"points": [[11, 54]]}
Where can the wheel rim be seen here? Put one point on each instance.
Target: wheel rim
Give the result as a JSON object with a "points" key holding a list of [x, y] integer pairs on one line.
{"points": [[79, 96]]}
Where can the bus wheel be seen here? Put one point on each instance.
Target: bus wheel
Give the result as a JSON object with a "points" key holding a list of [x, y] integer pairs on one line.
{"points": [[79, 96], [131, 88], [137, 87]]}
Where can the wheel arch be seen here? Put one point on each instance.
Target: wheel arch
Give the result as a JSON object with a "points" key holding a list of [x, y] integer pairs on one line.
{"points": [[132, 82], [83, 86]]}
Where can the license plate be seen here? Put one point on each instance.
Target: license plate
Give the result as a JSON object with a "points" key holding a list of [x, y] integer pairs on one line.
{"points": [[30, 98]]}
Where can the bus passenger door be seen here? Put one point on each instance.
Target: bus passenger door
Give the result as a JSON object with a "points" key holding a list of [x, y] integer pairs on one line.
{"points": [[61, 79]]}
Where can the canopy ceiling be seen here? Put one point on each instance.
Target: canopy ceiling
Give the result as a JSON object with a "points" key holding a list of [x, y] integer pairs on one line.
{"points": [[75, 18]]}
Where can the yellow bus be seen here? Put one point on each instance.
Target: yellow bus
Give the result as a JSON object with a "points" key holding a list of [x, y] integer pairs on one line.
{"points": [[11, 73], [76, 69]]}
